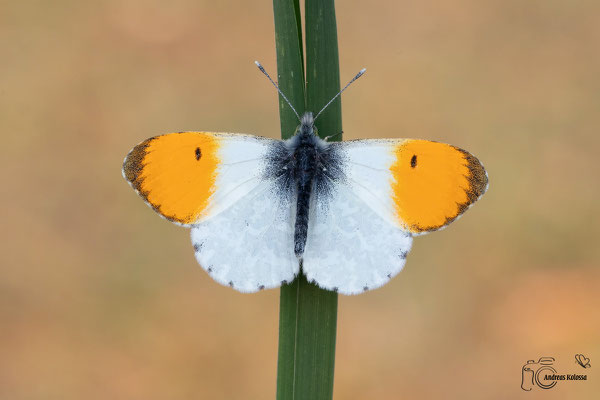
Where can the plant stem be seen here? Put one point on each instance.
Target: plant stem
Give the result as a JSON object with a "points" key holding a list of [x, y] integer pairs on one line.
{"points": [[322, 66], [308, 314], [290, 62]]}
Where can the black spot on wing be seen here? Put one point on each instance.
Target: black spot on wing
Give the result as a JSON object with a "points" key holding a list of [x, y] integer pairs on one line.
{"points": [[413, 161], [198, 153]]}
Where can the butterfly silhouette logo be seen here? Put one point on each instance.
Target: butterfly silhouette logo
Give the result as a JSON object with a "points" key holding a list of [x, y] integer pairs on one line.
{"points": [[583, 361]]}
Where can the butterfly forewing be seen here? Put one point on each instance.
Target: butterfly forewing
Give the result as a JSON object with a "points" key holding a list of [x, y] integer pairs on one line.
{"points": [[418, 185]]}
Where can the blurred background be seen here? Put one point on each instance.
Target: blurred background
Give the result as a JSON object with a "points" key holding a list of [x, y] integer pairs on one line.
{"points": [[102, 299]]}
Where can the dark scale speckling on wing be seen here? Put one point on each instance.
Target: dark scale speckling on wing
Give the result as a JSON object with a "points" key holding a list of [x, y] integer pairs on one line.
{"points": [[304, 166]]}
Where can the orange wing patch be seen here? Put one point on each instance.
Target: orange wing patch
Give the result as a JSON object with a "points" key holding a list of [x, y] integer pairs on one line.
{"points": [[175, 173], [434, 183]]}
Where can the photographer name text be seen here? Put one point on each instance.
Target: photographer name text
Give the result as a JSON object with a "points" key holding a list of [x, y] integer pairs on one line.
{"points": [[565, 377]]}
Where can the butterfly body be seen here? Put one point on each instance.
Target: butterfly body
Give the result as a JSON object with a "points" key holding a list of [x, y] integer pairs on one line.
{"points": [[343, 213], [309, 166]]}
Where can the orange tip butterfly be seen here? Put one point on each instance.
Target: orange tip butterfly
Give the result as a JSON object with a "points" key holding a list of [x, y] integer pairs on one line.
{"points": [[343, 213]]}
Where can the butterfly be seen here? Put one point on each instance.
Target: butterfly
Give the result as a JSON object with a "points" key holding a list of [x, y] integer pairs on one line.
{"points": [[344, 214]]}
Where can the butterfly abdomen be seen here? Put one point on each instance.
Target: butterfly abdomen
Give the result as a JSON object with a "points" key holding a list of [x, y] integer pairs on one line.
{"points": [[305, 165]]}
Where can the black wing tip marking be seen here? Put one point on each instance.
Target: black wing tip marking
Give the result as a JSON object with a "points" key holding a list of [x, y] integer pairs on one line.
{"points": [[478, 181], [478, 177], [134, 163], [133, 166]]}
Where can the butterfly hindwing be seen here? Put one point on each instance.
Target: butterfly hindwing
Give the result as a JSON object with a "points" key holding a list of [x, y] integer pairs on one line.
{"points": [[250, 245], [350, 248]]}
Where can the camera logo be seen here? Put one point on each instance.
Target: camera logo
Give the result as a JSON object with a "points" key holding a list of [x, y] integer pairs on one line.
{"points": [[533, 373]]}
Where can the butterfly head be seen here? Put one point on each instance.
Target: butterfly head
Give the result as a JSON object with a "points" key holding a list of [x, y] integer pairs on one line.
{"points": [[307, 125]]}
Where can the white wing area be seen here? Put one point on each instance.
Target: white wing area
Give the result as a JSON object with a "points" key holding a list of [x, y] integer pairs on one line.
{"points": [[240, 171], [366, 165], [350, 248], [250, 245]]}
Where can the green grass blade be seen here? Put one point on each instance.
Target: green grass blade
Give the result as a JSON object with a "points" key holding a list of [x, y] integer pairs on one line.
{"points": [[290, 64], [290, 77], [308, 314], [322, 66], [307, 330]]}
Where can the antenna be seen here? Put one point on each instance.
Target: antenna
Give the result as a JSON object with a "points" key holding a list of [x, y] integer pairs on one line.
{"points": [[360, 73], [277, 87]]}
